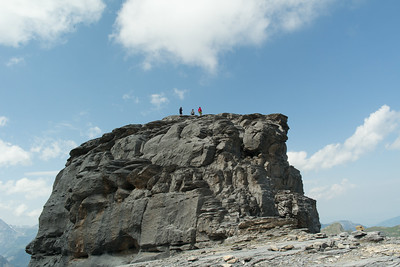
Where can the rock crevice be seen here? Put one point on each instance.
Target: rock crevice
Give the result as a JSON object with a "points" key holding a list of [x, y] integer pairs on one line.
{"points": [[180, 183]]}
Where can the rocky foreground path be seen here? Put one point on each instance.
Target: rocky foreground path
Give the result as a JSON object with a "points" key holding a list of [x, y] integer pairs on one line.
{"points": [[284, 247]]}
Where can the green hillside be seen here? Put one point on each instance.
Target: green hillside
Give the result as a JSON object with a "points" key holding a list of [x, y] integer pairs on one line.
{"points": [[388, 231], [333, 229]]}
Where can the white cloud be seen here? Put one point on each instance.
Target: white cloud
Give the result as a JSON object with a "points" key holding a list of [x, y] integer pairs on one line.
{"points": [[35, 213], [366, 137], [180, 93], [42, 173], [45, 20], [197, 32], [395, 145], [12, 209], [13, 155], [49, 149], [15, 61], [158, 99], [130, 96], [18, 211], [31, 189], [3, 121], [5, 206], [94, 132], [330, 192]]}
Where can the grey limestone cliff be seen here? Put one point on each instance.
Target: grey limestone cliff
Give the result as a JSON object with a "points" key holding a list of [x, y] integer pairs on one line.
{"points": [[180, 183]]}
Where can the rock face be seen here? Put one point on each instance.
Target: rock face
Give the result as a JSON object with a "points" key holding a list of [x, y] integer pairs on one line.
{"points": [[175, 184]]}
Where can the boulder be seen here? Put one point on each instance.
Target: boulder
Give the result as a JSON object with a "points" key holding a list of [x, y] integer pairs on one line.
{"points": [[174, 184]]}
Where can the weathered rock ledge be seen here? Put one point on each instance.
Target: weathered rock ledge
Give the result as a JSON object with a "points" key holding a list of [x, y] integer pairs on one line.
{"points": [[181, 183], [282, 246]]}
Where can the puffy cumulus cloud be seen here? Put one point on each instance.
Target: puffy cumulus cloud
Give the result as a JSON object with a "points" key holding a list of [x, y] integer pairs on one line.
{"points": [[196, 32], [94, 132], [20, 210], [330, 192], [45, 20], [158, 99], [180, 93], [3, 121], [366, 137], [50, 149], [31, 189], [13, 155]]}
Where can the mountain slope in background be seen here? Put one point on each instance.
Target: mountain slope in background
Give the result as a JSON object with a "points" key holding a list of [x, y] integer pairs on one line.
{"points": [[347, 225], [13, 240], [390, 227], [4, 262], [390, 222], [333, 229]]}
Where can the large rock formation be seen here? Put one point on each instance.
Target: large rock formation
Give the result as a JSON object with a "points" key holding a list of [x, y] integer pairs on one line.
{"points": [[175, 184]]}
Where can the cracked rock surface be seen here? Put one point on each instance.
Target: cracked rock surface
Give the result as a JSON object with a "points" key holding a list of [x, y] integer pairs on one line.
{"points": [[282, 246], [181, 183]]}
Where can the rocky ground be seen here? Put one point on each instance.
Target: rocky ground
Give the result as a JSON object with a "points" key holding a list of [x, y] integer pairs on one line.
{"points": [[286, 247]]}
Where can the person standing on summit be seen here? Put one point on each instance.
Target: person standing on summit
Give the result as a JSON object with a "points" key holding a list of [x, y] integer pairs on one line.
{"points": [[200, 111], [180, 111]]}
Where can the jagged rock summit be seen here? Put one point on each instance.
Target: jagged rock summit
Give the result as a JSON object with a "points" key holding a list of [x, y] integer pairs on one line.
{"points": [[180, 183]]}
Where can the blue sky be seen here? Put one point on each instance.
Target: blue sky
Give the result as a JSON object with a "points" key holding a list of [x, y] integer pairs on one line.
{"points": [[71, 70]]}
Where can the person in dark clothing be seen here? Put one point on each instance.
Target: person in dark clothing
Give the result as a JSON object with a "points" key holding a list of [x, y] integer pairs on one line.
{"points": [[180, 111]]}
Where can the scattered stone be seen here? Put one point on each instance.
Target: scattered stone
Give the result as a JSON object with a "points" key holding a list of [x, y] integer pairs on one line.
{"points": [[292, 238], [363, 253], [343, 246], [228, 257], [287, 247], [375, 236], [309, 247], [320, 235], [358, 234], [232, 261], [320, 246], [344, 234], [273, 248], [193, 258], [247, 259]]}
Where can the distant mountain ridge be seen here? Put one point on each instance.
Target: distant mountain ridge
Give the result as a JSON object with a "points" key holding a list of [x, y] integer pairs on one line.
{"points": [[390, 227], [4, 262], [390, 222], [13, 240], [350, 226]]}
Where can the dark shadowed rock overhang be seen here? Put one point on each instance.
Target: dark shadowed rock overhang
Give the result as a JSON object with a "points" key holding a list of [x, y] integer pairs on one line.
{"points": [[180, 183]]}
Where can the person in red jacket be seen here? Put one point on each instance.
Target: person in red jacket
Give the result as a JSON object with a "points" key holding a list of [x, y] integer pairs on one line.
{"points": [[200, 111]]}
